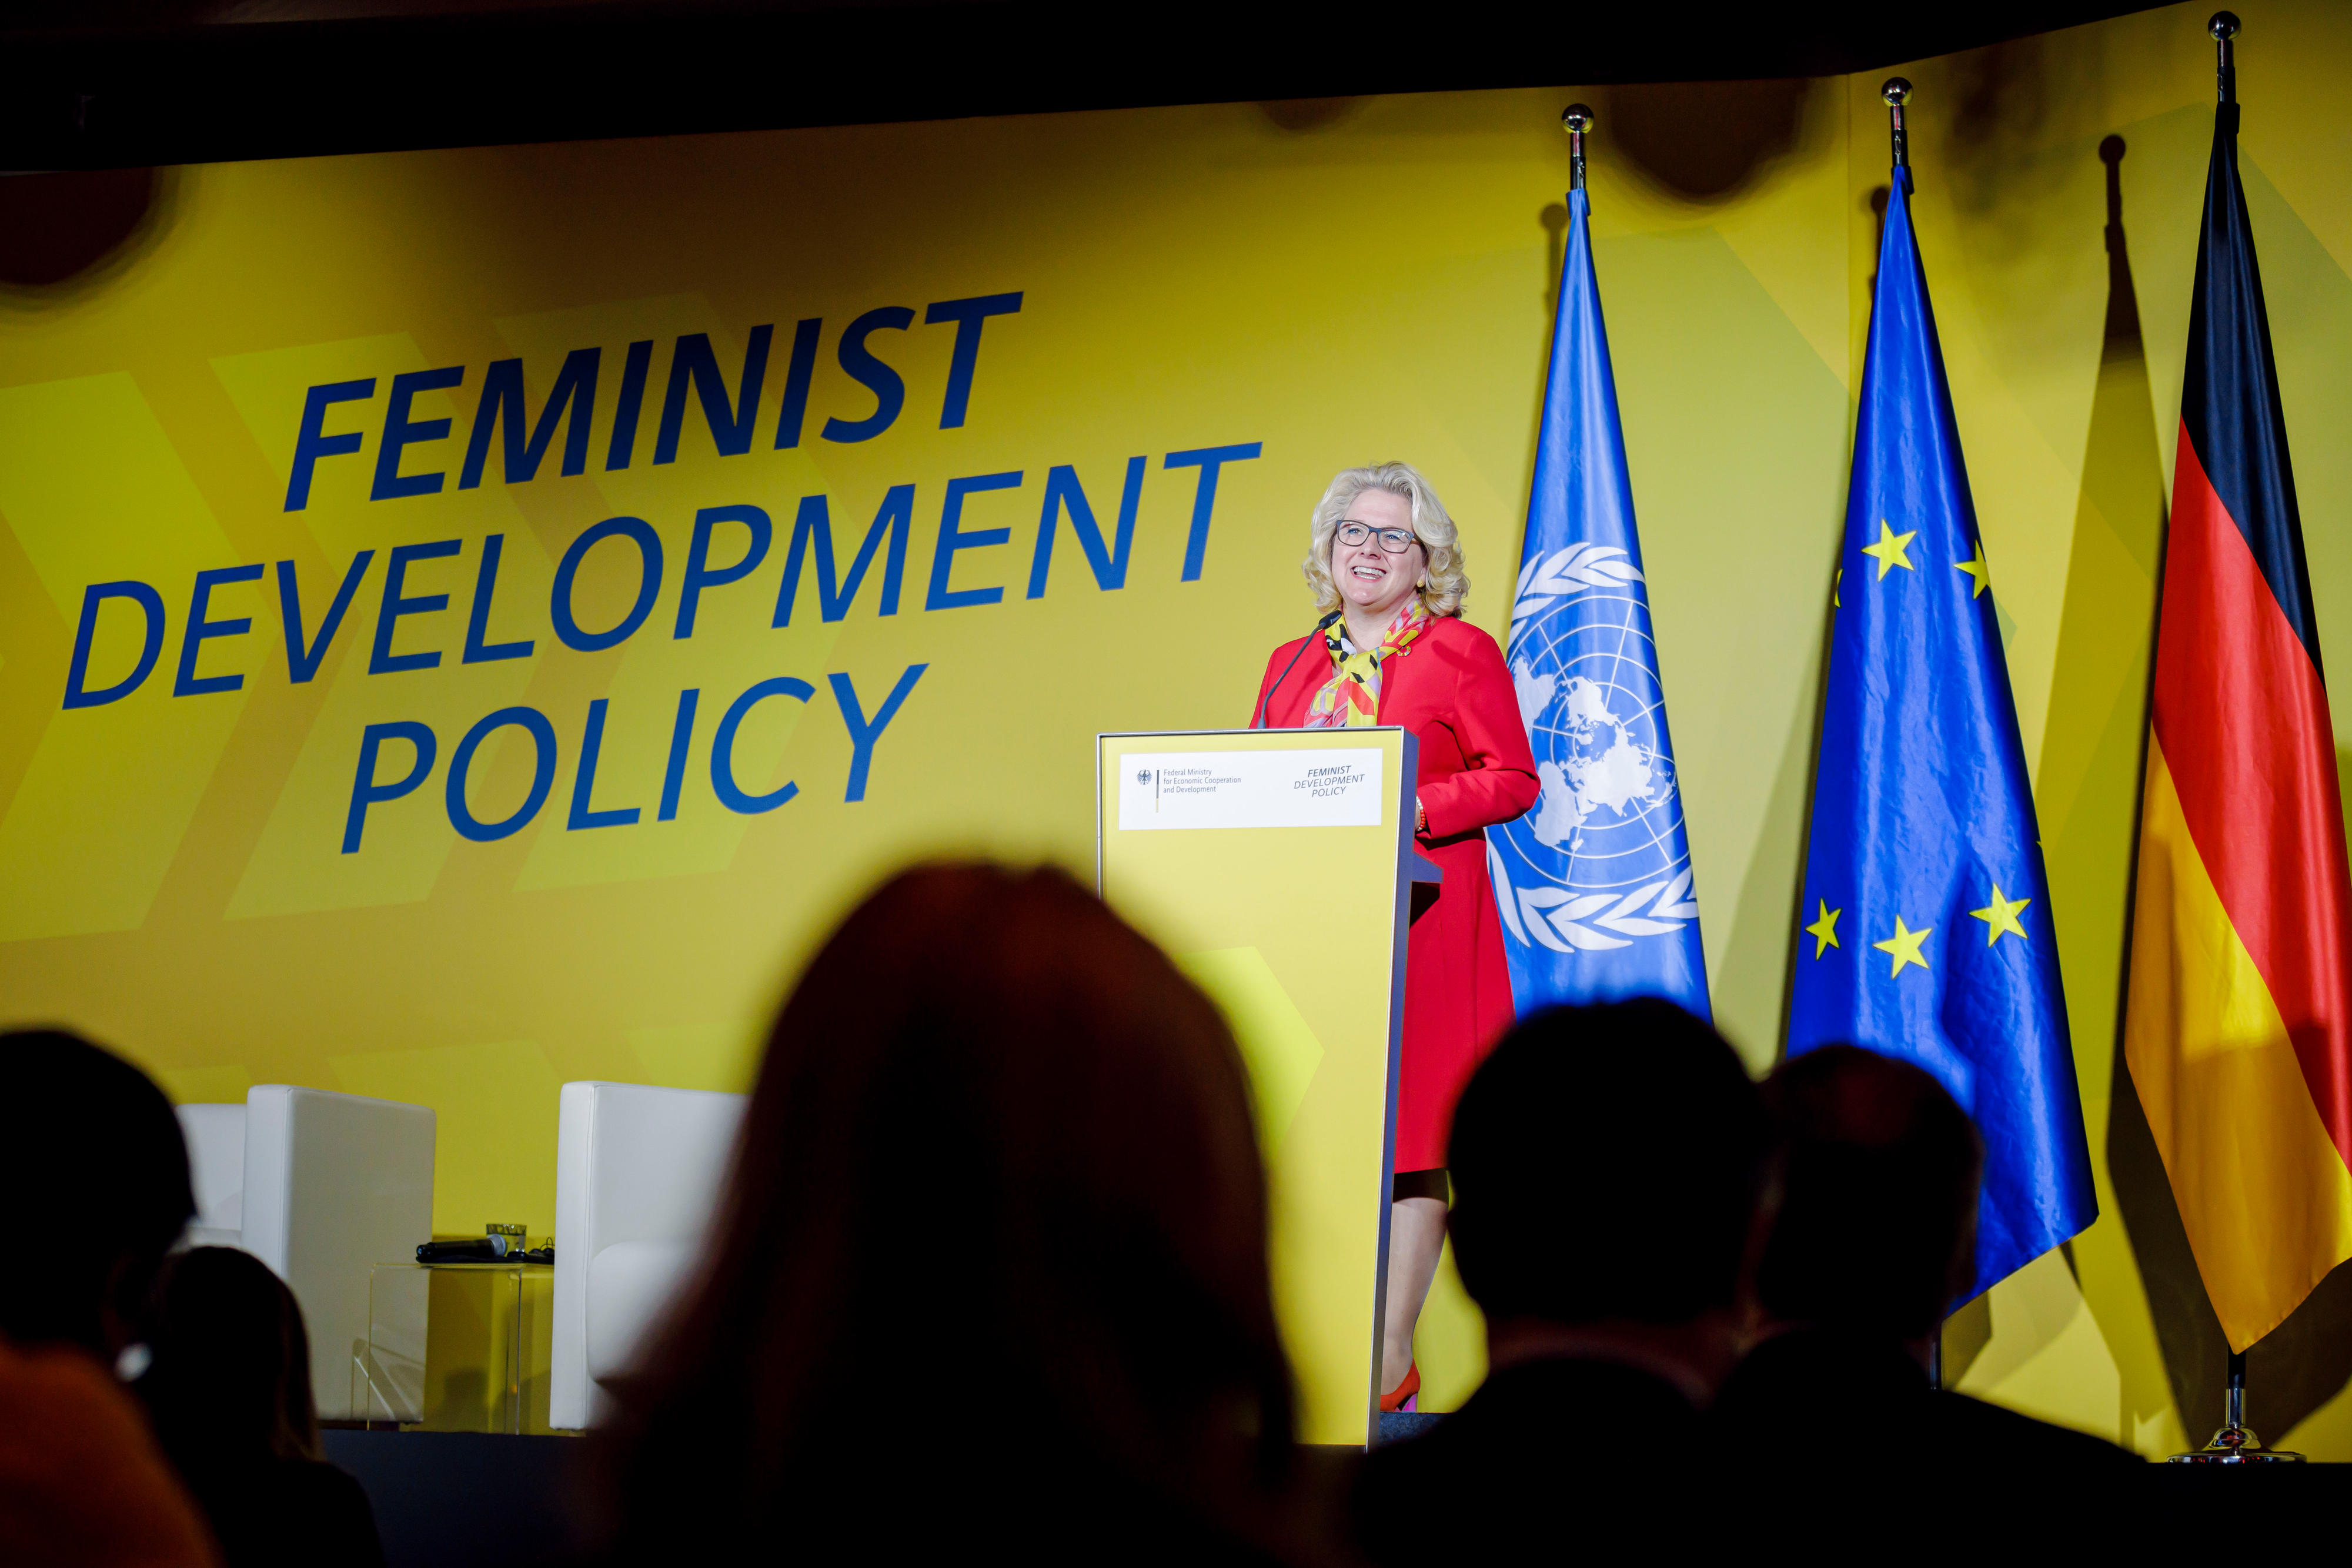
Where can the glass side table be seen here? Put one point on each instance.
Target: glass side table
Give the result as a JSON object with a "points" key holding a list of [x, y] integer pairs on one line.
{"points": [[450, 1346]]}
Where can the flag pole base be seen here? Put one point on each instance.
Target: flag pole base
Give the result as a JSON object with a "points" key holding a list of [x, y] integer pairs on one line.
{"points": [[2235, 1445]]}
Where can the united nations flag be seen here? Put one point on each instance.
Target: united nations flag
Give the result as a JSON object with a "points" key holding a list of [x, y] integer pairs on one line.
{"points": [[1595, 881], [1926, 923]]}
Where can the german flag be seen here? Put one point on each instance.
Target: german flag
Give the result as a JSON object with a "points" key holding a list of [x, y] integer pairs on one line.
{"points": [[2239, 1020]]}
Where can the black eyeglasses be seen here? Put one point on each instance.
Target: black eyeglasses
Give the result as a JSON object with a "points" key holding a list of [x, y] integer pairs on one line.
{"points": [[1394, 541]]}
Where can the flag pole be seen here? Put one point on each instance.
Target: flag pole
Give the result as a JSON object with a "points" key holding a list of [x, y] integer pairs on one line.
{"points": [[1895, 92], [2235, 1443], [1580, 571], [1576, 119], [2224, 27]]}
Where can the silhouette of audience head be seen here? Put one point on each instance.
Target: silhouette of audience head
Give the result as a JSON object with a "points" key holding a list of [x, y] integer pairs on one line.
{"points": [[228, 1396], [1877, 1229], [1608, 1162], [91, 1132], [231, 1379], [998, 1171]]}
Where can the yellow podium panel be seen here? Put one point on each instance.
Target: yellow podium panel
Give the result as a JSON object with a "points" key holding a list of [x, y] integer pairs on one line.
{"points": [[1276, 865]]}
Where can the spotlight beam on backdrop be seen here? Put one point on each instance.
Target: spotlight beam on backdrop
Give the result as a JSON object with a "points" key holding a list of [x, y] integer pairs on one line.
{"points": [[128, 93]]}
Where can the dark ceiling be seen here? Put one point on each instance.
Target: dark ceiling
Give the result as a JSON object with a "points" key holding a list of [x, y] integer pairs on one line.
{"points": [[112, 83]]}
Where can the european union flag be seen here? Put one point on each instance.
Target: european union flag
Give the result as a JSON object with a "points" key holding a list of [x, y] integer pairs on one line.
{"points": [[1926, 924], [1595, 881]]}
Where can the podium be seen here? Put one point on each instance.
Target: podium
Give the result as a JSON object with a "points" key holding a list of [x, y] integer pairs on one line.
{"points": [[1276, 866]]}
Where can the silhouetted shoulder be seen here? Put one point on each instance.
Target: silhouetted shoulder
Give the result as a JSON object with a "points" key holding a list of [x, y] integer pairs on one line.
{"points": [[289, 1511], [1884, 1406], [1539, 1442], [1974, 1431]]}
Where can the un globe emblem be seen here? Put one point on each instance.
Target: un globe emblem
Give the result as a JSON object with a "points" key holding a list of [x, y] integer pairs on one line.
{"points": [[1600, 861]]}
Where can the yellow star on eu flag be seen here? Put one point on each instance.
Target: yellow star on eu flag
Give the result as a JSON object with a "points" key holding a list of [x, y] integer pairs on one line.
{"points": [[1824, 931], [1889, 549], [2001, 917], [1976, 567], [1904, 947]]}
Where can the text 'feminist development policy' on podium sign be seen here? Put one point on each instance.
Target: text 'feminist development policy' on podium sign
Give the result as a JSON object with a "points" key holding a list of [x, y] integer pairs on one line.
{"points": [[1277, 866]]}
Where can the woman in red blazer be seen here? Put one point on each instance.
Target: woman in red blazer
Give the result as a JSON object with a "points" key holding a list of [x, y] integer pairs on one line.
{"points": [[1385, 561]]}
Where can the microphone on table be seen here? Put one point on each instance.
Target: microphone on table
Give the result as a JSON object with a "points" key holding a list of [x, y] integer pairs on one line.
{"points": [[494, 1249], [1263, 702]]}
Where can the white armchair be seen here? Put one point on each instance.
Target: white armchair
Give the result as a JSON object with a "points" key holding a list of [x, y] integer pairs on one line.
{"points": [[321, 1187], [637, 1176], [215, 1138]]}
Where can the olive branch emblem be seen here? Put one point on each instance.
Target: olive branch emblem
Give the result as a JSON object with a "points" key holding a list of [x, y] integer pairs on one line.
{"points": [[1582, 565], [1566, 922]]}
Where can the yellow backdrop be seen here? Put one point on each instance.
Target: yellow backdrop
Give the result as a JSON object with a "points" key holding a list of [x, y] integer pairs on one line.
{"points": [[1331, 283]]}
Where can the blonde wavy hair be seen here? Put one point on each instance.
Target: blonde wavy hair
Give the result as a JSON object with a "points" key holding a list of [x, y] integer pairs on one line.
{"points": [[1443, 585]]}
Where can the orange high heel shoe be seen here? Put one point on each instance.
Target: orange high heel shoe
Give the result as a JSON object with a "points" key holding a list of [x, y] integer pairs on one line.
{"points": [[1401, 1395]]}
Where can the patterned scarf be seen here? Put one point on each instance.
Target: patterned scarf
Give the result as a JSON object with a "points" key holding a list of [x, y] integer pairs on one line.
{"points": [[1351, 697]]}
